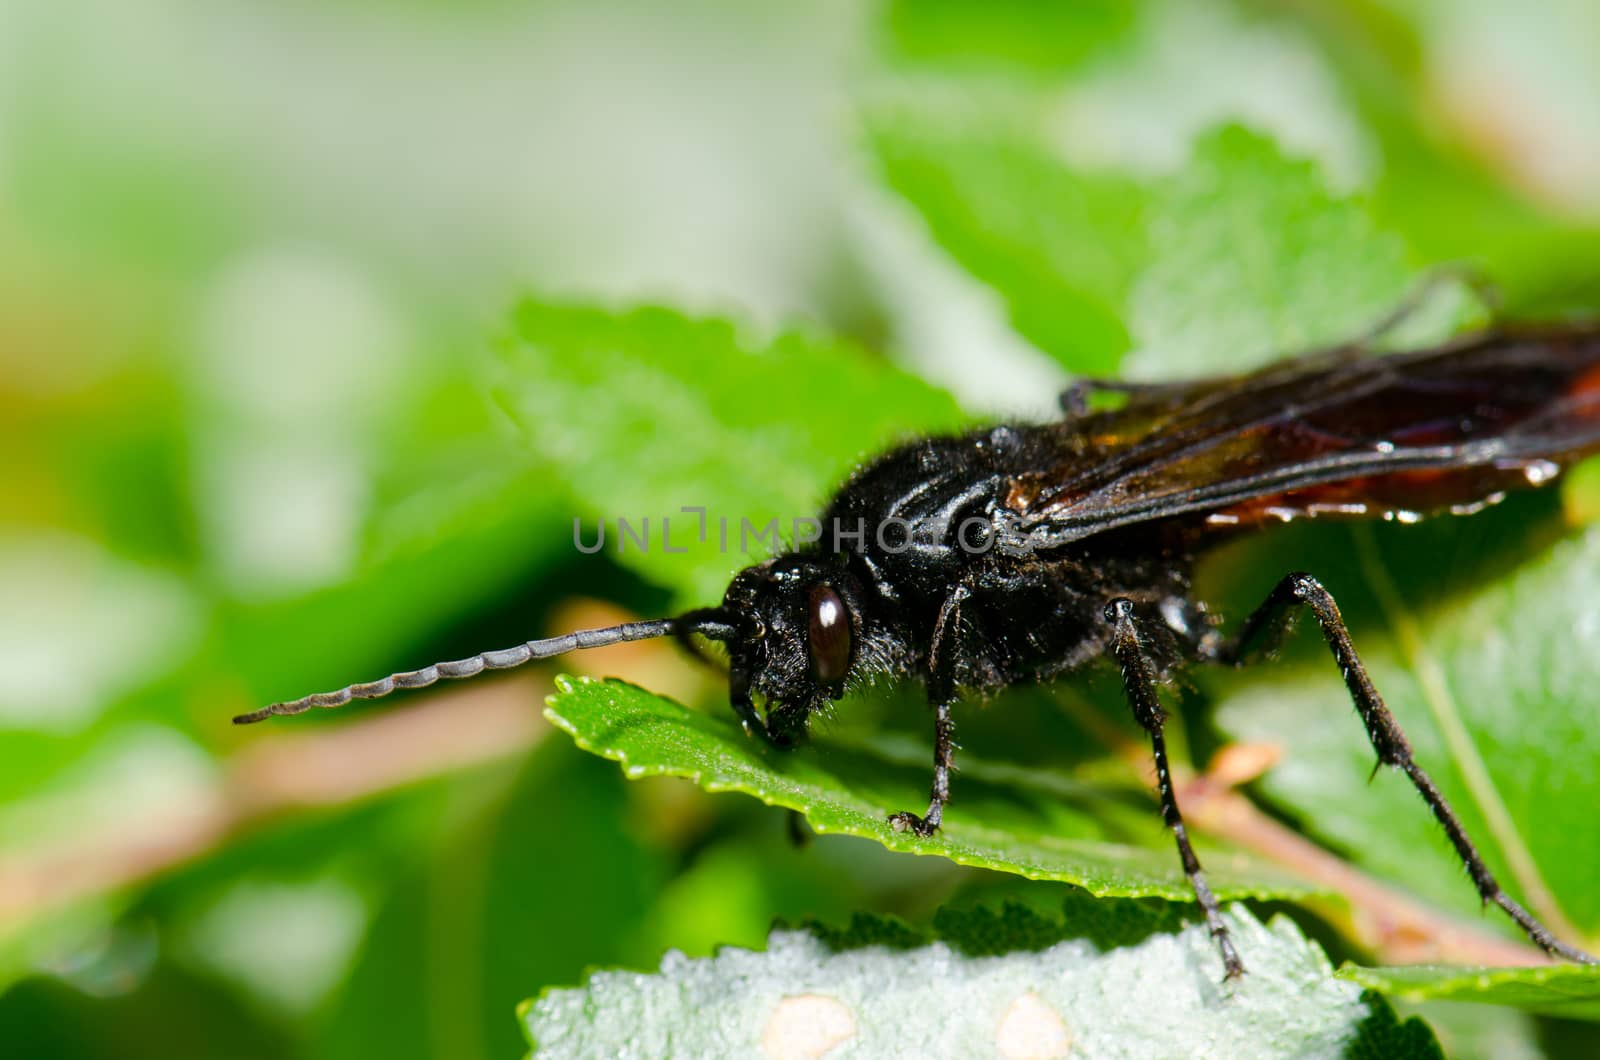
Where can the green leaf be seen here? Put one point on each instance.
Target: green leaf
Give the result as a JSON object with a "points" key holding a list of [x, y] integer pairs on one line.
{"points": [[1244, 241], [185, 1011], [1565, 990], [546, 875], [648, 412], [1495, 689], [474, 539], [1217, 268], [997, 914], [1159, 997], [1060, 246], [1004, 821], [1010, 35]]}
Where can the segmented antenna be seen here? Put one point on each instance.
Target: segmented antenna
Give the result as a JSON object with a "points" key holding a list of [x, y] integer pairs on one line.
{"points": [[471, 667]]}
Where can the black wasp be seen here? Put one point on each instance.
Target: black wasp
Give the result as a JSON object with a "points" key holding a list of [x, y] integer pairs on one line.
{"points": [[1060, 544]]}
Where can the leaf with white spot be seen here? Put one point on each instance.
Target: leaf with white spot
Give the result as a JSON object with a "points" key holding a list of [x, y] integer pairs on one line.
{"points": [[1162, 996]]}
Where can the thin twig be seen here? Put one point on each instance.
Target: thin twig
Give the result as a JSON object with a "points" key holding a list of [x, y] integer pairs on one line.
{"points": [[283, 773], [289, 772], [284, 770], [1397, 928]]}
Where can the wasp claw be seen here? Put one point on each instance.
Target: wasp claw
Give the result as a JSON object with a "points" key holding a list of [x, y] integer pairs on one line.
{"points": [[906, 821]]}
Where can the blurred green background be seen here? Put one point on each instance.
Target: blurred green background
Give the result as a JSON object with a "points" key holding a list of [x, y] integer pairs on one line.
{"points": [[251, 258]]}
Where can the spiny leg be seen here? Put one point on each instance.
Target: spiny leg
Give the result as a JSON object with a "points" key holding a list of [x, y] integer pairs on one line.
{"points": [[795, 827], [941, 688], [1139, 682], [944, 756], [1074, 400], [1266, 626]]}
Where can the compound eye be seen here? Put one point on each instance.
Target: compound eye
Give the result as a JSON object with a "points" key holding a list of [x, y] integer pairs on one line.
{"points": [[829, 629]]}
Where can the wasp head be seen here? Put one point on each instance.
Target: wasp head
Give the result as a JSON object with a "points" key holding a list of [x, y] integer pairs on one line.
{"points": [[797, 630]]}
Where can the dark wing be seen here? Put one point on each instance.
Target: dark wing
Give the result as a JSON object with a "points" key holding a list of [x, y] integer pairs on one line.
{"points": [[1331, 434]]}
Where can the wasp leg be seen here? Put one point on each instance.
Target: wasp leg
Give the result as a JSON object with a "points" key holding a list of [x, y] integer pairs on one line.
{"points": [[795, 827], [1433, 281], [944, 756], [942, 690], [1074, 400], [1139, 682], [1266, 626]]}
